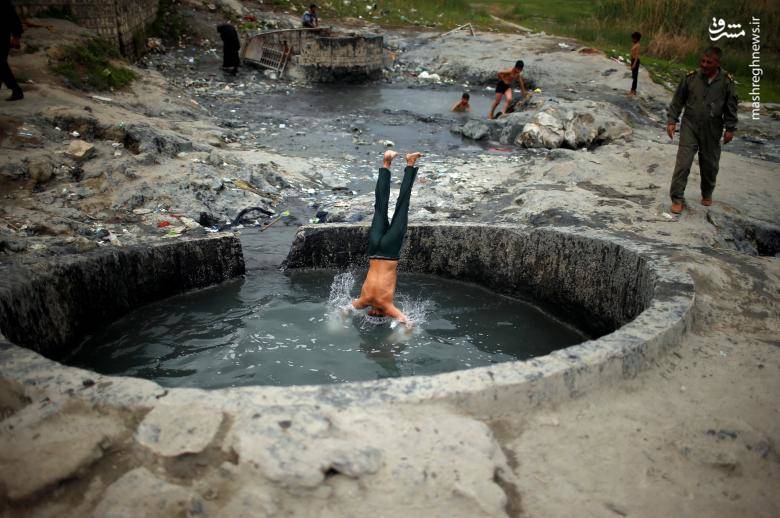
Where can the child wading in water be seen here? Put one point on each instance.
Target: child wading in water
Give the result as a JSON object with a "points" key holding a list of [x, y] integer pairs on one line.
{"points": [[462, 105], [635, 37]]}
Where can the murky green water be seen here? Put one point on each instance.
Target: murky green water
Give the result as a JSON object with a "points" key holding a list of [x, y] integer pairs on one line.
{"points": [[278, 329]]}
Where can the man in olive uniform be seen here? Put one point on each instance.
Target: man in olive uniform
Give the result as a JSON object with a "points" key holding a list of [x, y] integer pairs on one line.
{"points": [[709, 99]]}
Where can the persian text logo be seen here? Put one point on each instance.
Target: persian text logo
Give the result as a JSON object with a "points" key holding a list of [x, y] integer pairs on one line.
{"points": [[720, 28], [755, 67]]}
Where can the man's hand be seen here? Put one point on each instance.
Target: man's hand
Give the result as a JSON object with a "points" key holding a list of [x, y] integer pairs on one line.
{"points": [[727, 136], [670, 129], [16, 43]]}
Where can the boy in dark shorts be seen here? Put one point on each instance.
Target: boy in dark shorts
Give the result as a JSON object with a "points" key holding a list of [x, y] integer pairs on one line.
{"points": [[635, 37], [385, 240], [504, 86]]}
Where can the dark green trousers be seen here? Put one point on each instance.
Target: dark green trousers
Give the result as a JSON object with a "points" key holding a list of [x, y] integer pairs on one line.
{"points": [[386, 237], [703, 138]]}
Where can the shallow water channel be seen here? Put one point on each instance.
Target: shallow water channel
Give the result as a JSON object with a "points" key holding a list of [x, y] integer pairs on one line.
{"points": [[277, 328]]}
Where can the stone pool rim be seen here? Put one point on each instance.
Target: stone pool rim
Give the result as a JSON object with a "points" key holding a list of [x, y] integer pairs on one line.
{"points": [[488, 391]]}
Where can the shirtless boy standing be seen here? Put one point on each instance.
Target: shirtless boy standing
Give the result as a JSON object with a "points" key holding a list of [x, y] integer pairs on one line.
{"points": [[635, 37], [385, 240], [504, 86]]}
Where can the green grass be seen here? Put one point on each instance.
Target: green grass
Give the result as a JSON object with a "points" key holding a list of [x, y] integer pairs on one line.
{"points": [[88, 66], [604, 24]]}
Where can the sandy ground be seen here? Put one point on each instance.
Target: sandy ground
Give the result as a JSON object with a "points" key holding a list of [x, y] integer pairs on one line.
{"points": [[696, 435]]}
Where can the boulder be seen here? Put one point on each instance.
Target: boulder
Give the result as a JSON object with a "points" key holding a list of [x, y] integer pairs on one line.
{"points": [[475, 129], [573, 124]]}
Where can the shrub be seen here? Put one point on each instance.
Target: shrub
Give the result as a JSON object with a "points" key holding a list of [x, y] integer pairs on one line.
{"points": [[88, 66]]}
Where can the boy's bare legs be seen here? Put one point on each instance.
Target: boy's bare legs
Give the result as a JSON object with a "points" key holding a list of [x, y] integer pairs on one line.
{"points": [[508, 95], [495, 104]]}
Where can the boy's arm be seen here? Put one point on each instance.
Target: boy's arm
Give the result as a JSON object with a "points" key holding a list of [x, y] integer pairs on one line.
{"points": [[454, 106], [522, 84]]}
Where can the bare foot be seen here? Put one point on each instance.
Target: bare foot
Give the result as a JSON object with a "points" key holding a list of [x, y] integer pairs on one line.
{"points": [[411, 158], [388, 157]]}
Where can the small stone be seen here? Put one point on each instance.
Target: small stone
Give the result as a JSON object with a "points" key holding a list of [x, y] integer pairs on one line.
{"points": [[80, 150], [40, 170]]}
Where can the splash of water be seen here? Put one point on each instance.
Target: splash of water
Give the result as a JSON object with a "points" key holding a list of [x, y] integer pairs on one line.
{"points": [[341, 291], [340, 304]]}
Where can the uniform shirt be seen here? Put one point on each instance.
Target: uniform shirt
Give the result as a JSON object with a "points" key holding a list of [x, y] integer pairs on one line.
{"points": [[705, 101]]}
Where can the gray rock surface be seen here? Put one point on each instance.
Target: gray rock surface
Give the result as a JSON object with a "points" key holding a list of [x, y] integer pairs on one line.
{"points": [[45, 443], [140, 493], [171, 430]]}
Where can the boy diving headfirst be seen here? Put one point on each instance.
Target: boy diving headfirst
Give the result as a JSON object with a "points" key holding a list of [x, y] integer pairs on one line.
{"points": [[385, 240]]}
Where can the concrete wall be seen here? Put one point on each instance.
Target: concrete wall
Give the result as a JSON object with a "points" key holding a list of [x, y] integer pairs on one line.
{"points": [[117, 21], [596, 285], [330, 59], [323, 56], [50, 306]]}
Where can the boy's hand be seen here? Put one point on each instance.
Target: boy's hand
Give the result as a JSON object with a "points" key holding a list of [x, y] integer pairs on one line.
{"points": [[670, 129]]}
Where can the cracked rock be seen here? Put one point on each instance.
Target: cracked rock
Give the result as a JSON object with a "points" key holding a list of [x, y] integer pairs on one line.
{"points": [[140, 493], [171, 431]]}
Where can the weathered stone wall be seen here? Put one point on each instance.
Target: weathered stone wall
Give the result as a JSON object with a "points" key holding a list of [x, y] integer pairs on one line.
{"points": [[593, 284], [330, 59], [115, 20], [293, 38], [323, 56], [49, 306]]}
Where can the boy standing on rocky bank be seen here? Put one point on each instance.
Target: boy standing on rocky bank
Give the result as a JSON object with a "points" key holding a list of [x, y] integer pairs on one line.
{"points": [[635, 37]]}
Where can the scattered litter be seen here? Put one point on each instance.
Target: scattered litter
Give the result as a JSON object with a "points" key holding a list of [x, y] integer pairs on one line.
{"points": [[75, 134], [388, 143], [101, 98], [163, 224], [667, 215]]}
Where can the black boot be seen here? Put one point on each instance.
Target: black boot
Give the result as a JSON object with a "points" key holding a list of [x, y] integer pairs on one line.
{"points": [[16, 95]]}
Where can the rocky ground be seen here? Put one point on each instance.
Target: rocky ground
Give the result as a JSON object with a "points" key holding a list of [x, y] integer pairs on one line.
{"points": [[186, 148]]}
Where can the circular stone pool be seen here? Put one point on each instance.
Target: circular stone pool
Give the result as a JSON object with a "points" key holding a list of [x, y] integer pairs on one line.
{"points": [[624, 293], [288, 329]]}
